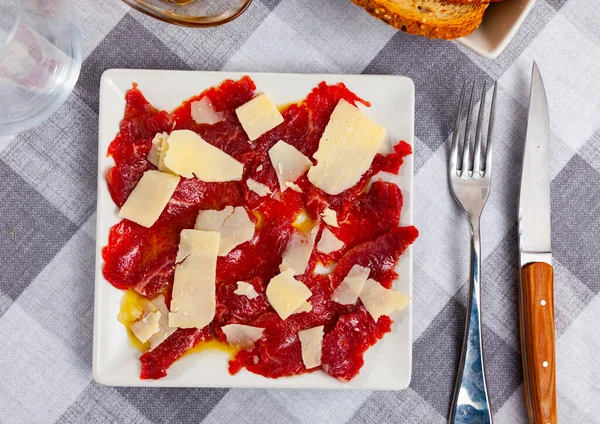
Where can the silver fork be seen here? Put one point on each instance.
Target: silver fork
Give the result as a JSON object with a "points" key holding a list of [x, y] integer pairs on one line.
{"points": [[470, 403]]}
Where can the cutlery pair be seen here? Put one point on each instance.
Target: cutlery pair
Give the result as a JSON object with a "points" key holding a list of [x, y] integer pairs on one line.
{"points": [[470, 187]]}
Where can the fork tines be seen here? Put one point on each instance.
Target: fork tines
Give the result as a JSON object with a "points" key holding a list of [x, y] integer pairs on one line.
{"points": [[478, 169]]}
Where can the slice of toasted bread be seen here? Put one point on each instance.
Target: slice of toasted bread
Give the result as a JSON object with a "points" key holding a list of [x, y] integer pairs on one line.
{"points": [[472, 1], [430, 18]]}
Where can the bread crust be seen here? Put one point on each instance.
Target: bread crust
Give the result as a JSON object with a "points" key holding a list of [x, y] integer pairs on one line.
{"points": [[472, 1], [414, 23]]}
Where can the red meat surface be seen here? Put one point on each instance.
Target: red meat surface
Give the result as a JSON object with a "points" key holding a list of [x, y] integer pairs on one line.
{"points": [[345, 345], [380, 256], [130, 147], [143, 259], [157, 361]]}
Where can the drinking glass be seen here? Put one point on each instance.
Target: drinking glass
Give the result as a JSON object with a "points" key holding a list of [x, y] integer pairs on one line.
{"points": [[40, 59], [192, 13]]}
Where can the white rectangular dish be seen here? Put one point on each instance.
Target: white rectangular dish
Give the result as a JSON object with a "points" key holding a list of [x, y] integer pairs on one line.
{"points": [[500, 24], [115, 361]]}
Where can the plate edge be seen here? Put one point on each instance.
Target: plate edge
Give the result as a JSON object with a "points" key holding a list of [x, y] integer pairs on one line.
{"points": [[107, 76]]}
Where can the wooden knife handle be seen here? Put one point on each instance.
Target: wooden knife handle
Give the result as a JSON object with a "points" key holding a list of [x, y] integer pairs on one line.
{"points": [[536, 305]]}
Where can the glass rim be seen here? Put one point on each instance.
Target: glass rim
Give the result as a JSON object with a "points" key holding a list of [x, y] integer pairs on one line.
{"points": [[188, 21]]}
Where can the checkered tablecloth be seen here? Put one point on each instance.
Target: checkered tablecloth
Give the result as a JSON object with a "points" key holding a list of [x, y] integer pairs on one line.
{"points": [[47, 215]]}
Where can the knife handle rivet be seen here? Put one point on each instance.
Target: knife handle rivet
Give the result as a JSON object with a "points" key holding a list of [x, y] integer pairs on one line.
{"points": [[545, 364], [543, 303]]}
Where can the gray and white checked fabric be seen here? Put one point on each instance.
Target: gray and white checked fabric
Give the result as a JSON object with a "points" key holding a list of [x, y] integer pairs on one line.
{"points": [[47, 216]]}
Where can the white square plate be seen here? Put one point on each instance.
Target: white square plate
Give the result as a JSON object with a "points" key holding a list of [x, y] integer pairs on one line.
{"points": [[387, 364], [500, 24]]}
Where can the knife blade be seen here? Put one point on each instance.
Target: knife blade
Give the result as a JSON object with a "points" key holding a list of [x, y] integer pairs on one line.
{"points": [[536, 282]]}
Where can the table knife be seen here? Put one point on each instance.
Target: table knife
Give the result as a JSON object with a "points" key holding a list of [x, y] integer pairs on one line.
{"points": [[536, 276]]}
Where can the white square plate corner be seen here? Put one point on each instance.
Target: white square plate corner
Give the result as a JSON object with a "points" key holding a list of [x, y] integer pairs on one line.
{"points": [[115, 362], [501, 22]]}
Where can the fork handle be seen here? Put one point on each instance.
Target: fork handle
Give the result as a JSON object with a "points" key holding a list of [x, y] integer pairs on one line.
{"points": [[536, 304], [470, 403]]}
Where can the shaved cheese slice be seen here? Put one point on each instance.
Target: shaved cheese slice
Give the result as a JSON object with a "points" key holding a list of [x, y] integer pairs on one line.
{"points": [[258, 116], [149, 198], [212, 220], [346, 149], [154, 153], [321, 269], [381, 301], [164, 331], [245, 289], [329, 242], [237, 229], [234, 225], [286, 294], [146, 326], [311, 340], [189, 155], [202, 112], [330, 217], [164, 147], [259, 188], [349, 289], [242, 336], [293, 186], [305, 307], [289, 163], [194, 298], [189, 242], [132, 307], [298, 250]]}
